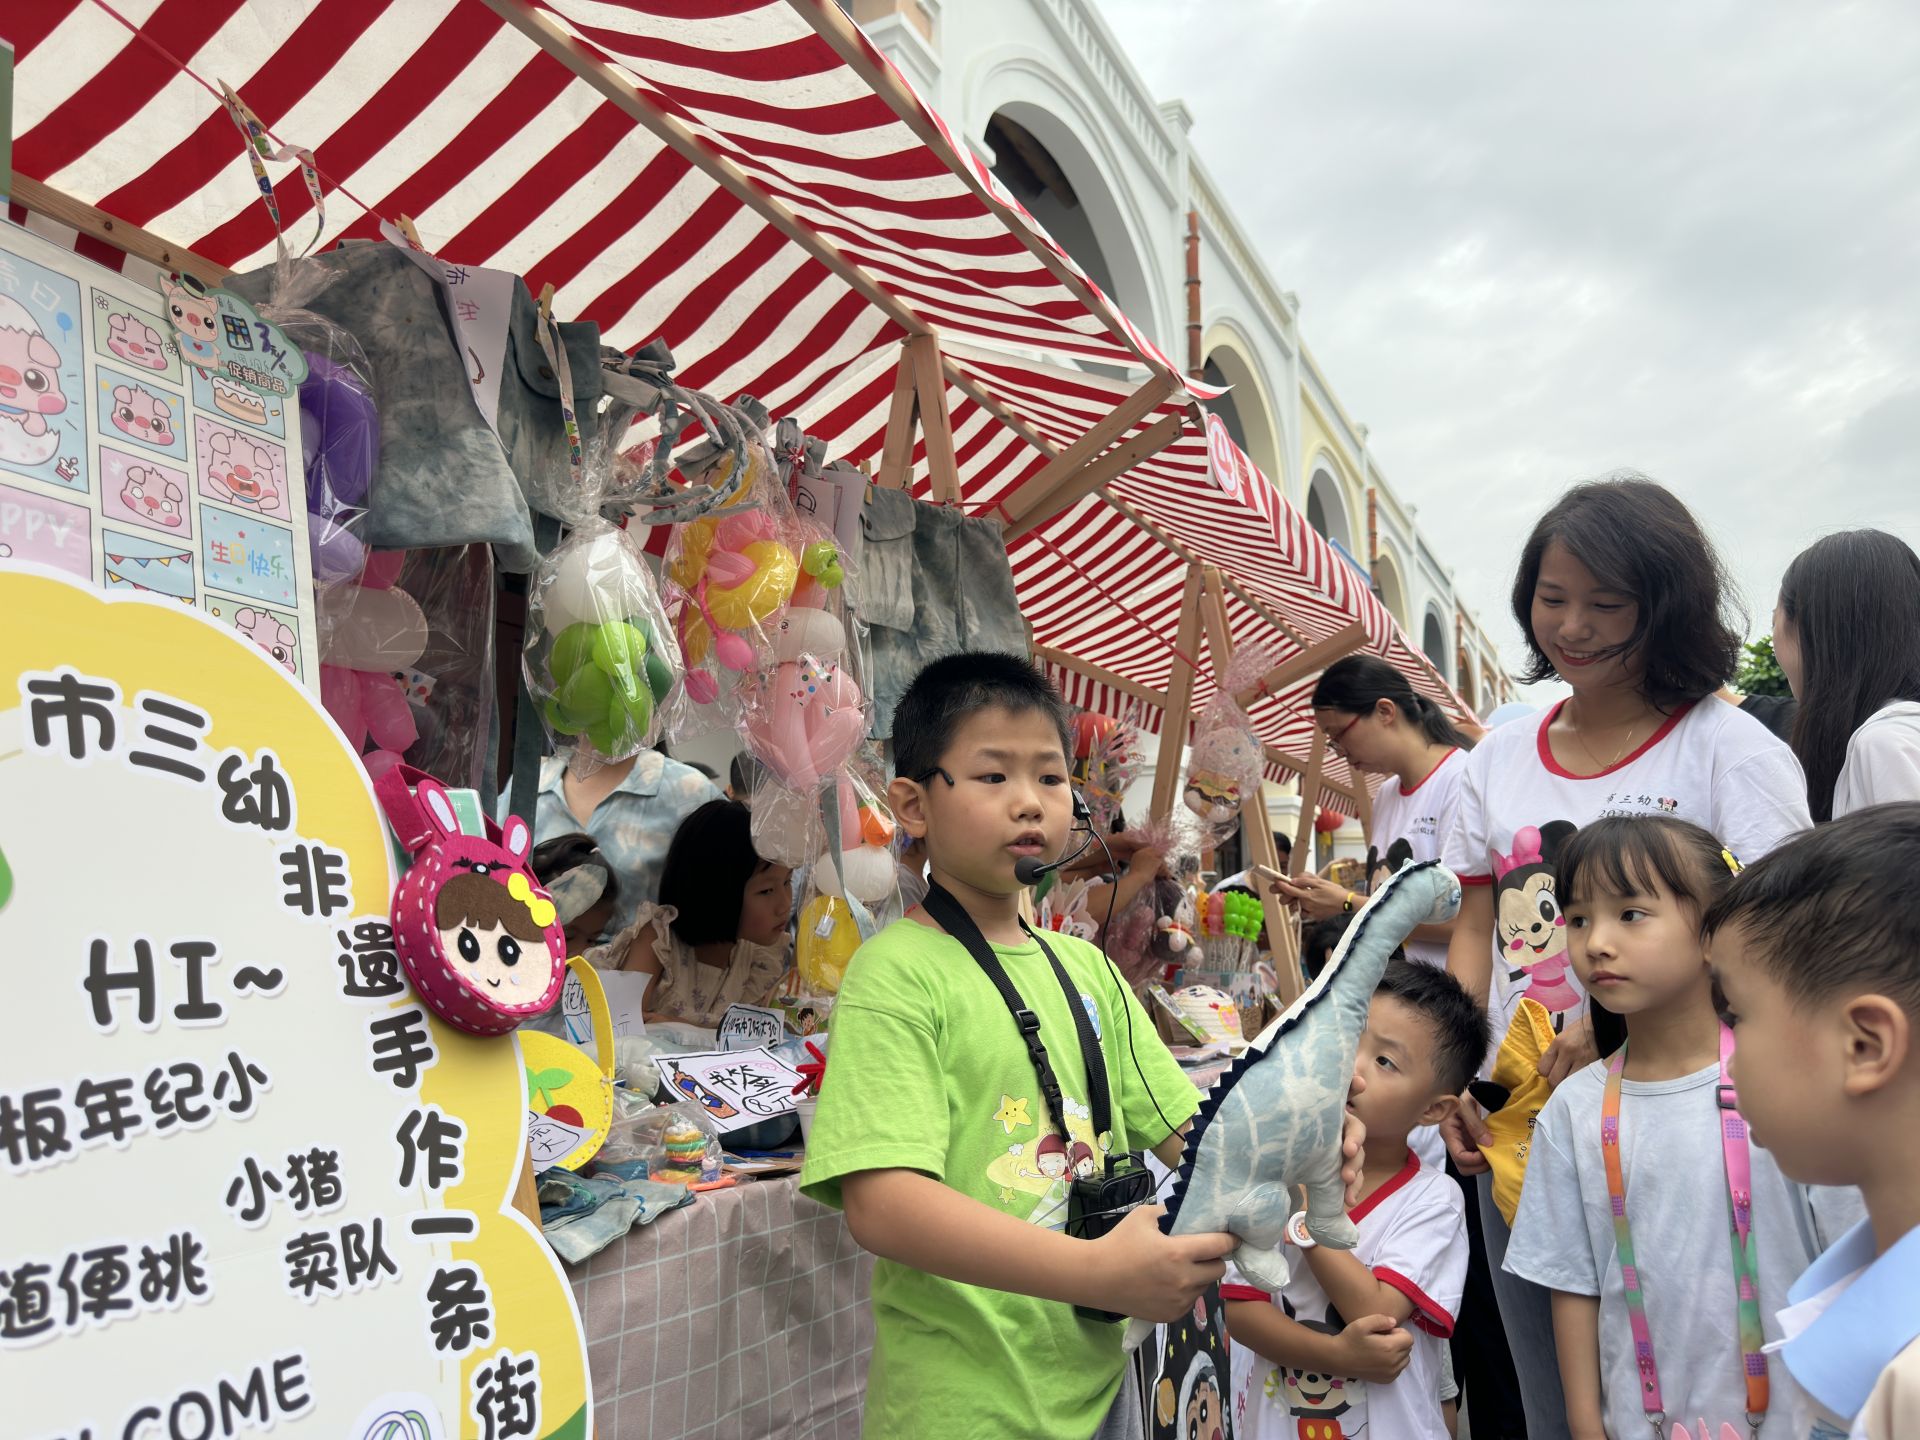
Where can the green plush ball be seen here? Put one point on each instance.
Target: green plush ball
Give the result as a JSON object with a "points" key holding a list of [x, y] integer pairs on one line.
{"points": [[584, 698], [659, 676], [572, 648], [618, 647], [623, 728]]}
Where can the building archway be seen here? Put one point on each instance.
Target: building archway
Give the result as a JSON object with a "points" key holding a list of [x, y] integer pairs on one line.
{"points": [[1046, 165], [1389, 587], [1327, 508], [1433, 640], [1244, 408], [1470, 682]]}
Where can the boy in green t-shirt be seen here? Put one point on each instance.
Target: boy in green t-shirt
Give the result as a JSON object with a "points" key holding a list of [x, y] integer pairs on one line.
{"points": [[932, 1132]]}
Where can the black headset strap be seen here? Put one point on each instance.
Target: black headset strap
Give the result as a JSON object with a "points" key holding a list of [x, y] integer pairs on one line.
{"points": [[954, 919]]}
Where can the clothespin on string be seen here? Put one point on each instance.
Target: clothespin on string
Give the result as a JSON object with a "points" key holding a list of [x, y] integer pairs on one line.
{"points": [[546, 303]]}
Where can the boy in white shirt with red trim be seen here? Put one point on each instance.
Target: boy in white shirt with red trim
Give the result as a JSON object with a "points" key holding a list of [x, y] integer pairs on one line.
{"points": [[1352, 1344]]}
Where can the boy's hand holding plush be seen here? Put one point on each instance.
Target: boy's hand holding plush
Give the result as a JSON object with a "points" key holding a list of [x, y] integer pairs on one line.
{"points": [[1154, 1276]]}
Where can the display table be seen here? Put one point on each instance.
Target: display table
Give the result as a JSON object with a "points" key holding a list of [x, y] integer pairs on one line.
{"points": [[744, 1315]]}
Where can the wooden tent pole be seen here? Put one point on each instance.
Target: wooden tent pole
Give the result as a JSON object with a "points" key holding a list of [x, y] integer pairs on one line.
{"points": [[936, 426], [1099, 472], [1287, 762], [121, 234], [1309, 661], [1099, 675], [896, 454], [1256, 826], [1309, 801], [1177, 714], [1075, 458]]}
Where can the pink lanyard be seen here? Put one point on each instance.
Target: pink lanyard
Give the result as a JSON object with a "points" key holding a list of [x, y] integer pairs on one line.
{"points": [[1739, 1172]]}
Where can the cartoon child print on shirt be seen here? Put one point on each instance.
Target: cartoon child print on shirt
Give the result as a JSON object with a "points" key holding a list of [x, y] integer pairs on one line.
{"points": [[1530, 925]]}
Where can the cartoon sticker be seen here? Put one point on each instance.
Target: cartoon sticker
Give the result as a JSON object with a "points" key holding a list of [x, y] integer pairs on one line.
{"points": [[274, 633], [134, 337], [139, 488], [42, 419], [240, 469], [216, 393], [141, 410], [46, 532], [139, 562], [247, 557], [220, 334]]}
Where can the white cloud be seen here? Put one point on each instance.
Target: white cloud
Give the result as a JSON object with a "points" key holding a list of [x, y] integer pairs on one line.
{"points": [[1536, 243]]}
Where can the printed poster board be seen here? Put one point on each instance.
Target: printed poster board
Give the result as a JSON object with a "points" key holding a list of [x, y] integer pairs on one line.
{"points": [[149, 454], [249, 1182]]}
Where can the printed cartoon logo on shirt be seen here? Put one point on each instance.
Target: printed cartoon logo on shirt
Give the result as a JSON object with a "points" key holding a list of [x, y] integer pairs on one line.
{"points": [[1316, 1400], [1044, 1166], [1189, 1402], [1382, 866], [1530, 926]]}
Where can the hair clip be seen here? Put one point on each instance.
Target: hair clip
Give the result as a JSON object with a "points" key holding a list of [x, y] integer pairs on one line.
{"points": [[1733, 863]]}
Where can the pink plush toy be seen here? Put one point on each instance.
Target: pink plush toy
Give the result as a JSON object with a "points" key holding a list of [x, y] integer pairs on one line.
{"points": [[480, 939]]}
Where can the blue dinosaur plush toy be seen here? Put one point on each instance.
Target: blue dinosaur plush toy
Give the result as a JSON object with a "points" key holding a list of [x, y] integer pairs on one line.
{"points": [[1273, 1121]]}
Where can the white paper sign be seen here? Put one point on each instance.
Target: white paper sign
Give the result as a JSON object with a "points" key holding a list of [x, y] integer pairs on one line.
{"points": [[749, 1027], [549, 1141], [625, 990], [736, 1088]]}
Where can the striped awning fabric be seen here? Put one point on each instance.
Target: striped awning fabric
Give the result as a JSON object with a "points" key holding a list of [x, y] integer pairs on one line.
{"points": [[748, 180]]}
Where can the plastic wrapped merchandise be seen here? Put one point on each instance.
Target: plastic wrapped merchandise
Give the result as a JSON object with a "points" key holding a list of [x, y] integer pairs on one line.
{"points": [[677, 1143], [600, 657], [1226, 763]]}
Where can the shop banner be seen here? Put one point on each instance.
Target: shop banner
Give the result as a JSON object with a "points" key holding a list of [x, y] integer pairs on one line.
{"points": [[249, 1183], [150, 444]]}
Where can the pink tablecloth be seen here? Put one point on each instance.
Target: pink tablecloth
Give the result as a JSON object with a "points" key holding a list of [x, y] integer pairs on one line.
{"points": [[744, 1316]]}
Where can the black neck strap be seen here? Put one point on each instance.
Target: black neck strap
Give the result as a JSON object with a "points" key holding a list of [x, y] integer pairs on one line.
{"points": [[954, 919]]}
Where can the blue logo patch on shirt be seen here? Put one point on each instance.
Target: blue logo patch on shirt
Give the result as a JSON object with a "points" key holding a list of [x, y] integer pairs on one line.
{"points": [[1093, 1012]]}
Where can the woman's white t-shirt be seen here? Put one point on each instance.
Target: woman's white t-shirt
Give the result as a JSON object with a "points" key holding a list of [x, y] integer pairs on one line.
{"points": [[1709, 763], [1883, 760], [1413, 825]]}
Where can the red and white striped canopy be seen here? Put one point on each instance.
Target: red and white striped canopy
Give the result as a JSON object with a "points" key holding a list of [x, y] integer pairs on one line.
{"points": [[748, 180]]}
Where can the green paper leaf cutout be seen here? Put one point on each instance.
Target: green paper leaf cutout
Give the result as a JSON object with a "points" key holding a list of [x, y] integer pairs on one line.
{"points": [[6, 881]]}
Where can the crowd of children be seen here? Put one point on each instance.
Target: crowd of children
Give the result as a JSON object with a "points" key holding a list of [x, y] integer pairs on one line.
{"points": [[1676, 1093]]}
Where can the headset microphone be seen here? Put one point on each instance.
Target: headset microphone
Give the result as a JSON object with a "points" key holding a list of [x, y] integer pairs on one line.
{"points": [[1030, 872]]}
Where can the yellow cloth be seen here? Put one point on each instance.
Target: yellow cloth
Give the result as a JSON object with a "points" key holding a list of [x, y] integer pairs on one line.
{"points": [[1516, 1068]]}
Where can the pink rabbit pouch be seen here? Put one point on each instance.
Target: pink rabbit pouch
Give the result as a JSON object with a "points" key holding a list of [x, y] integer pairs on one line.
{"points": [[481, 941]]}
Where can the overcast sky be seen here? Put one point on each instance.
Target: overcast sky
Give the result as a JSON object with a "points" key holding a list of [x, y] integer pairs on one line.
{"points": [[1533, 243]]}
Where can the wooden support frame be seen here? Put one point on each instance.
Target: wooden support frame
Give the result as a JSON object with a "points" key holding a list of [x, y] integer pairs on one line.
{"points": [[1310, 785], [605, 78], [896, 454], [1309, 661], [91, 220], [1256, 826], [1176, 714], [920, 403], [1031, 497], [1100, 676], [1099, 473]]}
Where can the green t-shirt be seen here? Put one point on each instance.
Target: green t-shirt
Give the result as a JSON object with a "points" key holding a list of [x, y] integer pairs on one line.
{"points": [[928, 1072]]}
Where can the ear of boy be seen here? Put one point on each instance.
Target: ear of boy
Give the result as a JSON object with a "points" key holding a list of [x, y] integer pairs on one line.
{"points": [[1878, 1036], [909, 801]]}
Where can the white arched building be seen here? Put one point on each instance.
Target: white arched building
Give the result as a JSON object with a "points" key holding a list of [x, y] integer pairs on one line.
{"points": [[1043, 92]]}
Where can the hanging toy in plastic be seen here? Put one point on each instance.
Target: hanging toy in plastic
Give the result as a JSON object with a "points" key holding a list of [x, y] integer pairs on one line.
{"points": [[481, 941], [807, 716], [340, 436], [735, 573], [601, 661], [369, 632], [1106, 761], [1226, 761], [1178, 932]]}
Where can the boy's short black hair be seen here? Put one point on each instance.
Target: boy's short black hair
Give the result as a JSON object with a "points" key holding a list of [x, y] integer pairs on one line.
{"points": [[1320, 938], [946, 692], [704, 878], [1455, 1019], [1835, 912]]}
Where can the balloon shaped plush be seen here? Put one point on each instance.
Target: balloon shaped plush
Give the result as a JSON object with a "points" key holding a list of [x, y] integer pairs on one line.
{"points": [[1224, 768], [807, 716], [1274, 1120], [340, 438], [607, 678], [480, 940], [736, 573]]}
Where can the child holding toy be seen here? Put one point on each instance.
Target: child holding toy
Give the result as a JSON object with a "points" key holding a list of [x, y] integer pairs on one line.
{"points": [[1355, 1342], [1626, 1213], [1817, 953], [935, 1132]]}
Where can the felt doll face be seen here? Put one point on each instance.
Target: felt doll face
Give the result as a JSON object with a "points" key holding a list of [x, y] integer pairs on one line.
{"points": [[491, 941]]}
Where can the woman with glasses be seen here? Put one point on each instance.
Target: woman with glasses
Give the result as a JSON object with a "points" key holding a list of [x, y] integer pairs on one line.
{"points": [[1379, 724]]}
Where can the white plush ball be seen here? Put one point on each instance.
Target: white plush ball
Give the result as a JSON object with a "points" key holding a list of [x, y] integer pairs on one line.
{"points": [[802, 631], [602, 579]]}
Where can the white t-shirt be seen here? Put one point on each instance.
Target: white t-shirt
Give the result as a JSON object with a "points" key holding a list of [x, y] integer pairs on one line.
{"points": [[1677, 1204], [1883, 760], [1414, 825], [1710, 763], [1413, 1236]]}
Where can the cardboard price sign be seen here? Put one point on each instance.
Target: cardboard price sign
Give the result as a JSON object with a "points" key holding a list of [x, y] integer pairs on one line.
{"points": [[249, 1180]]}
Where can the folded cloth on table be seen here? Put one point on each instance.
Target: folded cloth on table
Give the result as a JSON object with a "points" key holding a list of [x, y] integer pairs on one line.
{"points": [[632, 1202]]}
